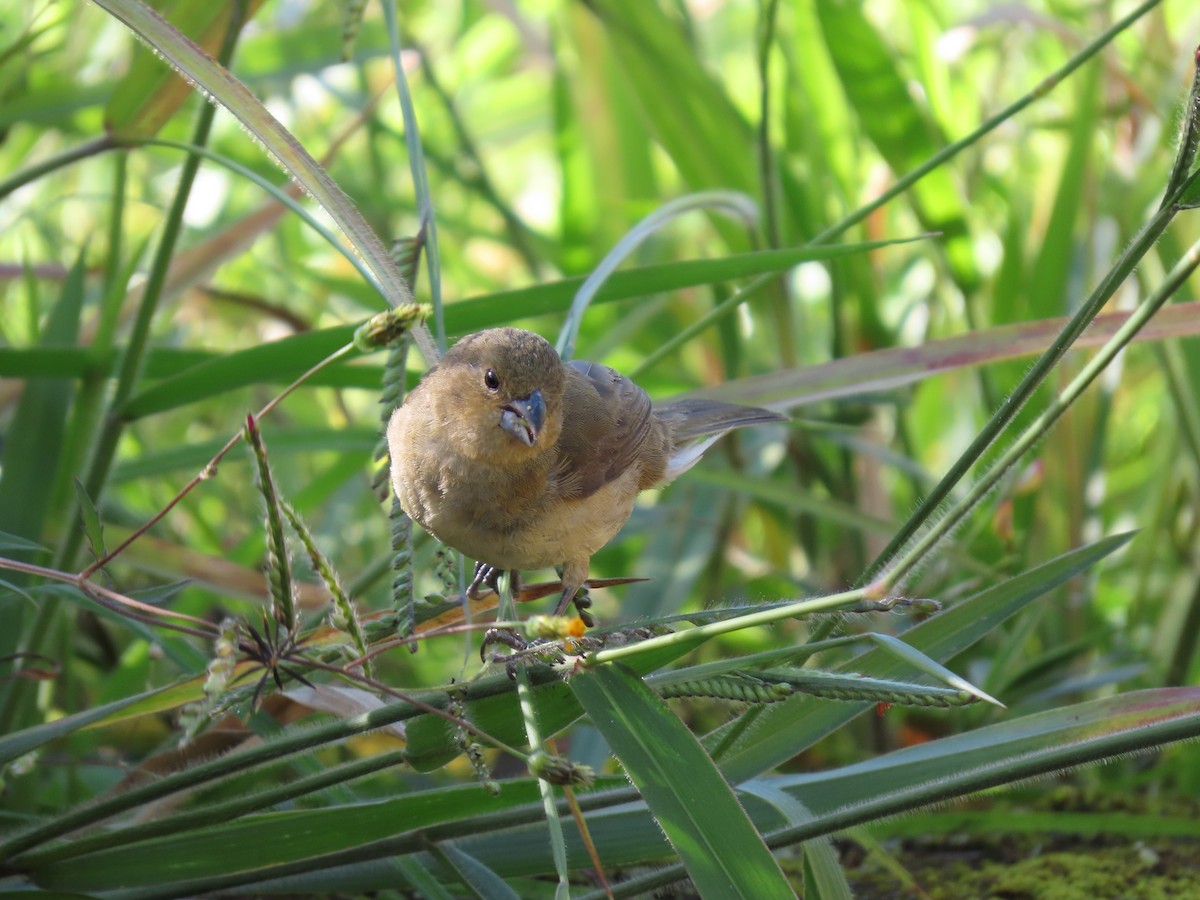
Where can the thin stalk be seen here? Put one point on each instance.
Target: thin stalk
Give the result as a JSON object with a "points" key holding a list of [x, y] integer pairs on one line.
{"points": [[521, 235], [558, 843], [284, 745], [54, 163], [115, 279], [1178, 275], [131, 366], [399, 845], [737, 623], [781, 308], [1044, 87], [215, 813], [85, 413], [108, 597], [416, 163], [724, 308], [1031, 382], [769, 12], [210, 467]]}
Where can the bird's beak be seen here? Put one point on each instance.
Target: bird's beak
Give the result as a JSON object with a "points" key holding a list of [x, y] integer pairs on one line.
{"points": [[523, 418]]}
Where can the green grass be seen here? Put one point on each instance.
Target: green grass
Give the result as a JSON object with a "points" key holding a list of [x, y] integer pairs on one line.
{"points": [[968, 276]]}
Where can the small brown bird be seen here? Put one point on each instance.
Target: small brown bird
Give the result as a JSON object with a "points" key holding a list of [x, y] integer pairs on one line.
{"points": [[523, 462]]}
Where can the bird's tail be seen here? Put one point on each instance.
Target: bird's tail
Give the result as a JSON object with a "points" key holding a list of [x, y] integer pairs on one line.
{"points": [[698, 423]]}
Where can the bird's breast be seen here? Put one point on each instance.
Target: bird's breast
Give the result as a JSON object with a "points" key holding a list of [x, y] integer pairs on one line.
{"points": [[512, 522]]}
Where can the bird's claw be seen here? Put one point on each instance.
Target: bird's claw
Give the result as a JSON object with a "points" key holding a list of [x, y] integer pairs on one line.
{"points": [[556, 651], [523, 652], [489, 576], [582, 601], [505, 636], [485, 576]]}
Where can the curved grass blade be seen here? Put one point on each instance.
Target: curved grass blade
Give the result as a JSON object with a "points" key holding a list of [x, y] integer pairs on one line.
{"points": [[149, 93], [483, 881], [988, 757], [901, 131], [730, 202], [783, 729], [243, 848], [420, 176], [704, 821], [21, 742], [289, 357], [221, 86]]}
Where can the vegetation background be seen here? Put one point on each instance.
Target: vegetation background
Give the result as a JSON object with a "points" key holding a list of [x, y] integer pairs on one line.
{"points": [[150, 298]]}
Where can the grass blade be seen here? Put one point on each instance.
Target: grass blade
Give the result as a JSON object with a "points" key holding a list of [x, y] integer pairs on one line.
{"points": [[691, 801]]}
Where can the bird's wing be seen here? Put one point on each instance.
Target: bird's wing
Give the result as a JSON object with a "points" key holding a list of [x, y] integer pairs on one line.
{"points": [[608, 427], [697, 417], [696, 423]]}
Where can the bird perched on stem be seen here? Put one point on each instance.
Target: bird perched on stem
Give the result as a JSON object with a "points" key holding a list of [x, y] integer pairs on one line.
{"points": [[522, 461]]}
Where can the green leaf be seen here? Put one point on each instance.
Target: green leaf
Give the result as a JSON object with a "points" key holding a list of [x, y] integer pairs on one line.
{"points": [[485, 883], [507, 841], [288, 358], [91, 521], [997, 754], [902, 132], [32, 447], [246, 848], [682, 105], [784, 729], [824, 877], [16, 542], [703, 820], [150, 93], [222, 87], [21, 742], [897, 782]]}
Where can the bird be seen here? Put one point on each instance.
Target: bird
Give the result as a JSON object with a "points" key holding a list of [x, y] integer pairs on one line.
{"points": [[522, 461]]}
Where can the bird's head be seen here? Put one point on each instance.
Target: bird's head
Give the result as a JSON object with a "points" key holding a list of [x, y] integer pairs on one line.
{"points": [[502, 390]]}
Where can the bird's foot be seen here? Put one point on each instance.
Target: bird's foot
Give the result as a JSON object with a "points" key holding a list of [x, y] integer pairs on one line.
{"points": [[583, 603], [554, 647], [489, 577], [539, 650], [483, 574], [505, 636]]}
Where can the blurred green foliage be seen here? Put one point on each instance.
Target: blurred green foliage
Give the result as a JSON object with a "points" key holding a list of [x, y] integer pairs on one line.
{"points": [[549, 130]]}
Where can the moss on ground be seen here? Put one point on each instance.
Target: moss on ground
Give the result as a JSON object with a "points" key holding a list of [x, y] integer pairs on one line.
{"points": [[1024, 866]]}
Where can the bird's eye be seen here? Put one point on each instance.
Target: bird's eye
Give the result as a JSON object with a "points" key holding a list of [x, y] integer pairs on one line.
{"points": [[491, 380]]}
